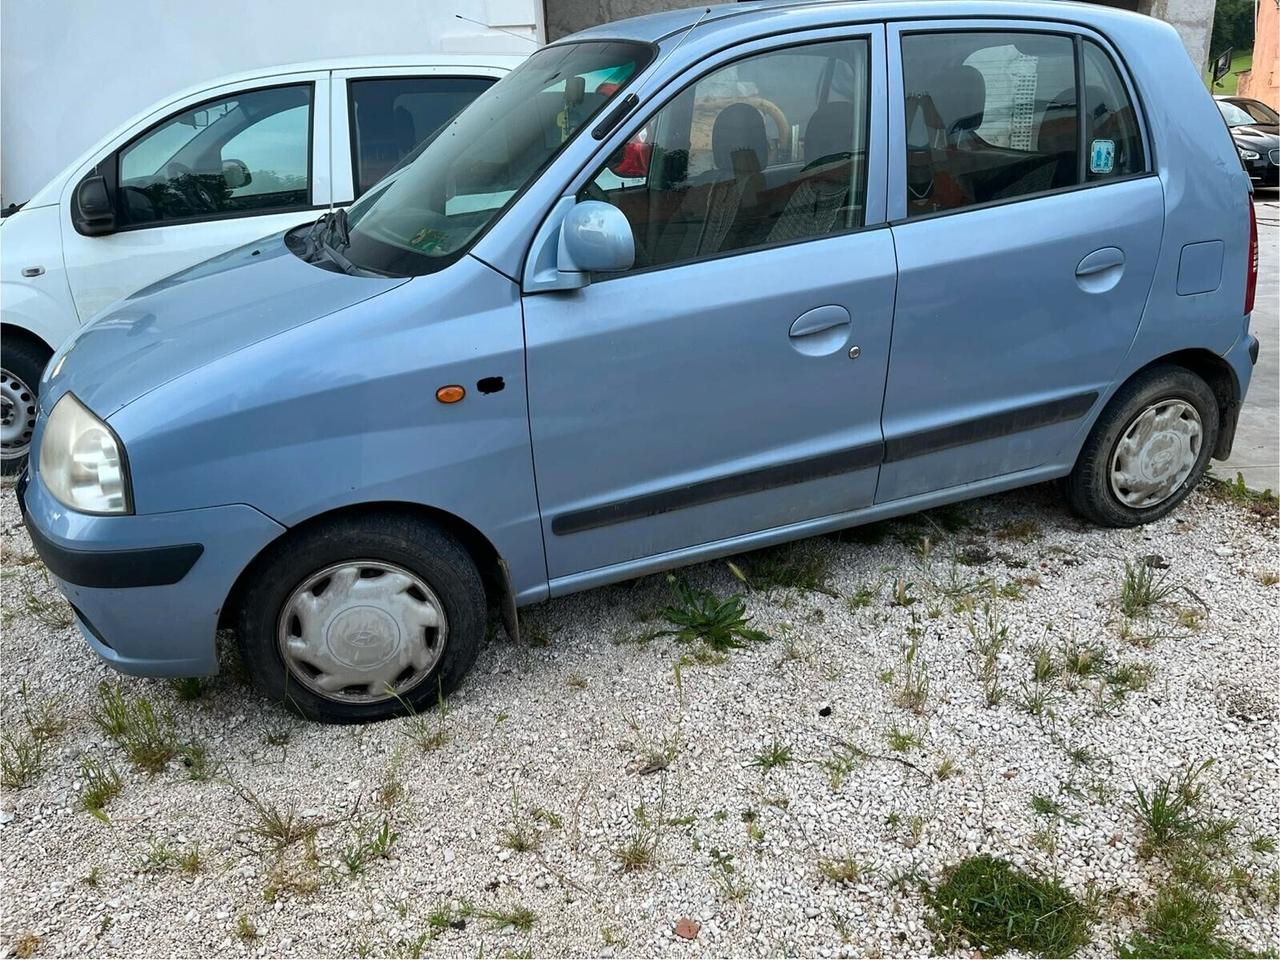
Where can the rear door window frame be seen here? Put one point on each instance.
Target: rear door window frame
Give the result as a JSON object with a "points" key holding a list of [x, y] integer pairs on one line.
{"points": [[897, 159]]}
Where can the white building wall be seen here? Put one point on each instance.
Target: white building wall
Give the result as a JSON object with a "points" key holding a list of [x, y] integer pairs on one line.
{"points": [[73, 70]]}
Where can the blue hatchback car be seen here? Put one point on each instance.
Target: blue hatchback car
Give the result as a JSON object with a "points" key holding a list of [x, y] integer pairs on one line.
{"points": [[674, 288]]}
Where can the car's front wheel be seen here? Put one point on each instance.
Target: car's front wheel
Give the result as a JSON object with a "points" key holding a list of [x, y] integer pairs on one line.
{"points": [[1149, 448], [362, 618], [23, 362]]}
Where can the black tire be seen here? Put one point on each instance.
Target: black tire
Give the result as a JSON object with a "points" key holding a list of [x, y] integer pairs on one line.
{"points": [[23, 361], [1088, 487], [416, 545]]}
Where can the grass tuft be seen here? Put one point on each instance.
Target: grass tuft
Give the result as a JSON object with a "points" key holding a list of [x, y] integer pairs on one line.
{"points": [[147, 737], [992, 906], [1143, 589], [699, 616], [1182, 922], [776, 754]]}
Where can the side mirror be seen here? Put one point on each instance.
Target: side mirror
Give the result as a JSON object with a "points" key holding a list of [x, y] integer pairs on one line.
{"points": [[236, 173], [92, 212], [595, 237]]}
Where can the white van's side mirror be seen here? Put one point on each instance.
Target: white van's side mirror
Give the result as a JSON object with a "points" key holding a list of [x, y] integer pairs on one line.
{"points": [[595, 237]]}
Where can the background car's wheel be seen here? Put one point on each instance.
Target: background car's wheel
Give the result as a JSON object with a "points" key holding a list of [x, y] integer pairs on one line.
{"points": [[20, 368], [1150, 446], [362, 618]]}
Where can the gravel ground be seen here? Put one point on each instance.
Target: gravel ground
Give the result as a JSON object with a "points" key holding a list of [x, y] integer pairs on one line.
{"points": [[555, 743]]}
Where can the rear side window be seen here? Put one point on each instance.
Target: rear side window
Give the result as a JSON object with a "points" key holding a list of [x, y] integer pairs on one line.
{"points": [[248, 153], [392, 115], [989, 116], [1112, 134]]}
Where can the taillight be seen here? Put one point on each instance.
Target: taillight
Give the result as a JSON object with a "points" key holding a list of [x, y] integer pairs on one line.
{"points": [[1251, 278]]}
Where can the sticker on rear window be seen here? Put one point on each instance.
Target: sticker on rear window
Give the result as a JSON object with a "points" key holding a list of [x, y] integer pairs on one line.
{"points": [[1102, 156]]}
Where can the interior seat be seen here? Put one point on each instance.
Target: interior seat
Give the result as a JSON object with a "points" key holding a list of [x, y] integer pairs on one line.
{"points": [[822, 190], [712, 209]]}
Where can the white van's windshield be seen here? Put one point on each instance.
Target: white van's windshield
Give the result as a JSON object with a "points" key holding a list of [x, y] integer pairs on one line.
{"points": [[423, 217]]}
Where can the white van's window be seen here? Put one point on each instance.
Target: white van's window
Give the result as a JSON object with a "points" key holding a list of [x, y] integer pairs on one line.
{"points": [[241, 154], [390, 116], [768, 149], [989, 116], [424, 217]]}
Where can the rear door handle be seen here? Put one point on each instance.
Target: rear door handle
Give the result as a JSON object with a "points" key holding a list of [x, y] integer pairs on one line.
{"points": [[819, 319], [1100, 270]]}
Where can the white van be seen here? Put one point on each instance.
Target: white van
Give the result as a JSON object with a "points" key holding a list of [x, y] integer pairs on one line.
{"points": [[218, 166]]}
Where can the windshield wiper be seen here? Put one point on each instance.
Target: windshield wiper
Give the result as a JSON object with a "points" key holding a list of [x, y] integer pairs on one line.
{"points": [[328, 237]]}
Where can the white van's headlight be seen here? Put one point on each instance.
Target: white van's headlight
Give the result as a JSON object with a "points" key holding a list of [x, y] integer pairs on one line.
{"points": [[82, 462]]}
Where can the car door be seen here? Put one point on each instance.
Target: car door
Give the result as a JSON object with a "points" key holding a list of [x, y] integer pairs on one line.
{"points": [[380, 115], [731, 382], [1027, 223], [219, 171]]}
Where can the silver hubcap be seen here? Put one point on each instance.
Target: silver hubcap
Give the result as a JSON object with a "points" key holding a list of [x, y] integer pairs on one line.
{"points": [[1156, 454], [17, 415], [362, 631]]}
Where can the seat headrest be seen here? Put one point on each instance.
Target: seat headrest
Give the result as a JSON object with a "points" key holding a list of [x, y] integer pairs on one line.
{"points": [[829, 132], [738, 126], [960, 94]]}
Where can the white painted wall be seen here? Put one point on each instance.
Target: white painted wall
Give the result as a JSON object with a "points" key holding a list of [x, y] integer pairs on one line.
{"points": [[72, 70]]}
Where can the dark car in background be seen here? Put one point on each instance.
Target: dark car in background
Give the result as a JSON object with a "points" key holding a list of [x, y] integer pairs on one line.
{"points": [[1254, 128]]}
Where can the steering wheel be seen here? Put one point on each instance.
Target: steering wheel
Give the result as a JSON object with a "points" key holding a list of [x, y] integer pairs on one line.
{"points": [[190, 186]]}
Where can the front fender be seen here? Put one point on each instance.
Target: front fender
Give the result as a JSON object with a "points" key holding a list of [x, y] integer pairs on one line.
{"points": [[342, 411]]}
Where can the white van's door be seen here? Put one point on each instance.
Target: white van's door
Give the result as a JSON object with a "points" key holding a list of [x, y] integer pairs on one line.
{"points": [[224, 168]]}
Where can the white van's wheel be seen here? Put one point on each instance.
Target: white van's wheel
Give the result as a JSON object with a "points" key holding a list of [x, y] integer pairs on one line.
{"points": [[23, 363]]}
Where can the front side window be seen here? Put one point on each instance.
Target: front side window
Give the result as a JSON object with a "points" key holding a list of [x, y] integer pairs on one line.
{"points": [[427, 215], [768, 149], [392, 115], [989, 116], [243, 154]]}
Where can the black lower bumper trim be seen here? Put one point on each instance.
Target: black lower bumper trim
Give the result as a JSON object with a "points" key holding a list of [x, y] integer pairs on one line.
{"points": [[111, 569], [1253, 350]]}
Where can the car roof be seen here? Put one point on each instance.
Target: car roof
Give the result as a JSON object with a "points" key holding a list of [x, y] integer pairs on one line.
{"points": [[655, 27], [502, 61]]}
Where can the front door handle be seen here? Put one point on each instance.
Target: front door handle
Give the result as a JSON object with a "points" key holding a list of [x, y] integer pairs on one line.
{"points": [[821, 331], [820, 319]]}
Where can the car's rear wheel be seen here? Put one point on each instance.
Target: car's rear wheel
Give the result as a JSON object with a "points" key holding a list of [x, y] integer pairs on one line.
{"points": [[24, 361], [1149, 448], [362, 618]]}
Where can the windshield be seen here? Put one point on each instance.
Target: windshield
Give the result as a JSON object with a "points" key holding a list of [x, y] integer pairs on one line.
{"points": [[425, 216], [1238, 113]]}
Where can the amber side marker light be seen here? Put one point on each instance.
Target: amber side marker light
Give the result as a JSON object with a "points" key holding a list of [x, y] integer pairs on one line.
{"points": [[450, 394]]}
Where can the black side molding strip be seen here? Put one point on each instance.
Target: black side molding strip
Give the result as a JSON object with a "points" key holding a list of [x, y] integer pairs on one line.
{"points": [[111, 569], [989, 427], [721, 488], [829, 464]]}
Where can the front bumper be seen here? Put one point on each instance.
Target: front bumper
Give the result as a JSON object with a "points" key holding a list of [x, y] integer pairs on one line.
{"points": [[146, 589]]}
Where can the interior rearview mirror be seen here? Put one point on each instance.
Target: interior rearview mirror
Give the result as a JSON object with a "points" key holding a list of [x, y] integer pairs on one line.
{"points": [[595, 237], [236, 174], [91, 209]]}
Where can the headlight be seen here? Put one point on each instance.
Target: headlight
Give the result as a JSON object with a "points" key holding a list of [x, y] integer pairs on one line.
{"points": [[1247, 154], [82, 462]]}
